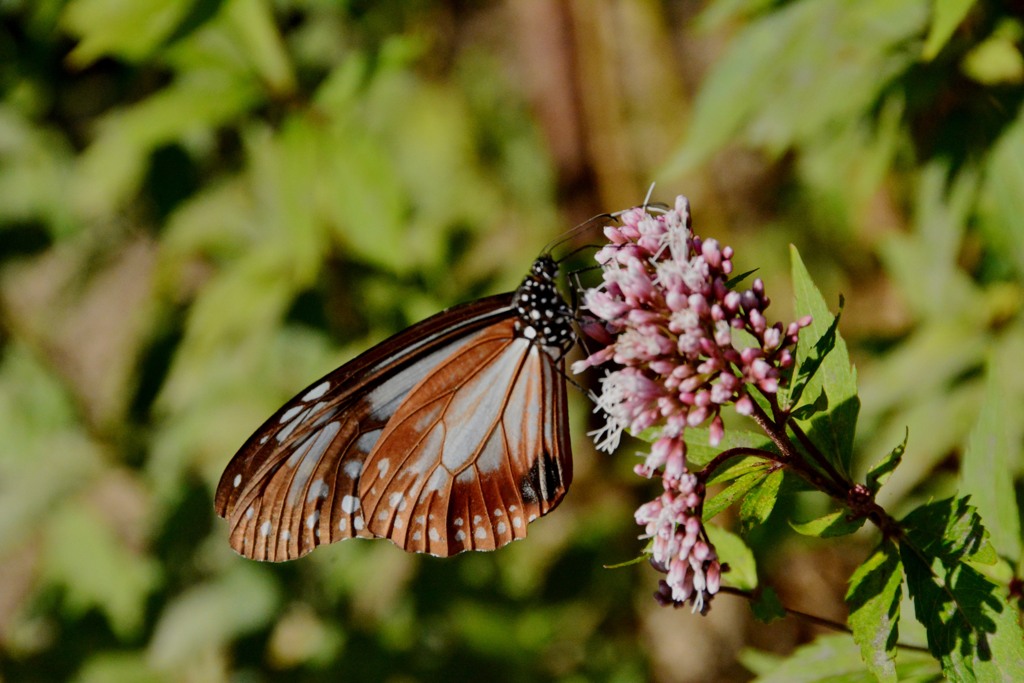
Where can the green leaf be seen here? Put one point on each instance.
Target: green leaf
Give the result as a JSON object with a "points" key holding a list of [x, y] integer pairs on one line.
{"points": [[127, 29], [832, 525], [736, 279], [874, 600], [732, 550], [85, 556], [761, 92], [738, 467], [118, 667], [810, 364], [833, 430], [878, 474], [946, 16], [971, 629], [831, 659], [949, 530], [209, 614], [828, 658], [734, 491], [699, 452], [760, 502], [806, 411], [767, 607], [993, 452]]}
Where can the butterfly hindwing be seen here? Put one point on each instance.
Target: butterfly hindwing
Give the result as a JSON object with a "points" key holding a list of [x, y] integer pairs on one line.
{"points": [[473, 438]]}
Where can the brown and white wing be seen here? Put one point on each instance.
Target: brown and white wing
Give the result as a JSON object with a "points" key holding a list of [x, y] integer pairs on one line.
{"points": [[295, 483], [475, 452]]}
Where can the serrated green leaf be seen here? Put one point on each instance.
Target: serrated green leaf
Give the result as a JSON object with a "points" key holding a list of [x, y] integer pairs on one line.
{"points": [[831, 525], [808, 410], [874, 600], [993, 452], [760, 502], [971, 629], [732, 550], [734, 491], [767, 607], [946, 16], [948, 529], [833, 430], [879, 474]]}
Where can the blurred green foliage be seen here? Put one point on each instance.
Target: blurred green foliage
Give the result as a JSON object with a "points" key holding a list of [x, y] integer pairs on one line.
{"points": [[206, 204]]}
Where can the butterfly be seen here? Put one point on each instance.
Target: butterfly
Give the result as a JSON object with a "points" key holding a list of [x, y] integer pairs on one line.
{"points": [[451, 435]]}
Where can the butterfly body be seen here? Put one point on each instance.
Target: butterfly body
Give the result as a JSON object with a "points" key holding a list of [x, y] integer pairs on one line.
{"points": [[451, 435]]}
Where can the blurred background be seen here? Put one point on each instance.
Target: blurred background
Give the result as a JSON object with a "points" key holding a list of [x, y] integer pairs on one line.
{"points": [[207, 204]]}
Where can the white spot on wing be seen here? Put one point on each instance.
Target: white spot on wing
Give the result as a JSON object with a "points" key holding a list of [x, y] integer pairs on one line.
{"points": [[458, 521], [319, 489], [358, 524], [366, 442], [312, 519], [480, 533], [460, 535], [317, 391], [417, 536], [289, 414], [501, 527], [517, 522], [349, 504], [434, 536], [265, 528], [343, 524], [250, 512], [352, 468], [237, 480], [382, 467], [285, 535], [395, 499]]}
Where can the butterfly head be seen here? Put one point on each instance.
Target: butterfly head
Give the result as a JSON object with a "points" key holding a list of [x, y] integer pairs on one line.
{"points": [[542, 316]]}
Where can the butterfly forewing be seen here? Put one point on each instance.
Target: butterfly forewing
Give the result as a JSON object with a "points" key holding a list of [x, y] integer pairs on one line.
{"points": [[449, 436]]}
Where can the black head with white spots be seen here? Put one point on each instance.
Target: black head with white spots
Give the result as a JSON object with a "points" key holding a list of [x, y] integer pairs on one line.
{"points": [[542, 316]]}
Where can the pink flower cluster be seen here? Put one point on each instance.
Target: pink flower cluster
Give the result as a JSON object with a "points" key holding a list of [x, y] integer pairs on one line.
{"points": [[678, 545], [683, 345]]}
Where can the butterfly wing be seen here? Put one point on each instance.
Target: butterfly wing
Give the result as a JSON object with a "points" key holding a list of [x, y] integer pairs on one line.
{"points": [[475, 452], [295, 482]]}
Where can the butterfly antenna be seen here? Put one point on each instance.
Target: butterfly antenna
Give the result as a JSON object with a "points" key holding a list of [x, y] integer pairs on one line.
{"points": [[569, 234]]}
